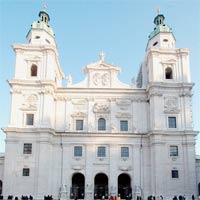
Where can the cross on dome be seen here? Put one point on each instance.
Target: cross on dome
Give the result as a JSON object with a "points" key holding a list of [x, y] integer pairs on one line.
{"points": [[44, 7], [102, 56], [158, 10]]}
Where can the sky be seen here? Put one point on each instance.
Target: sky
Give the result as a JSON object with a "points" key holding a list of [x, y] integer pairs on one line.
{"points": [[84, 28]]}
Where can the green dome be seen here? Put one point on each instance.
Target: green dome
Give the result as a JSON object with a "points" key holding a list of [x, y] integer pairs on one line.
{"points": [[160, 26], [43, 26]]}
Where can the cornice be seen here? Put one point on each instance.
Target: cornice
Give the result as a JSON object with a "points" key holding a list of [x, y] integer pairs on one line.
{"points": [[173, 133], [63, 90], [161, 85], [168, 51], [8, 130]]}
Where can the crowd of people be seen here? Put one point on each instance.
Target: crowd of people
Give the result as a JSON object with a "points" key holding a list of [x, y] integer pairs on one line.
{"points": [[49, 197]]}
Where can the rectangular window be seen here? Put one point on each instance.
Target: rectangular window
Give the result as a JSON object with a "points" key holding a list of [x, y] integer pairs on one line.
{"points": [[77, 151], [124, 152], [27, 148], [26, 172], [174, 173], [79, 125], [172, 122], [173, 150], [29, 119], [101, 152], [123, 125]]}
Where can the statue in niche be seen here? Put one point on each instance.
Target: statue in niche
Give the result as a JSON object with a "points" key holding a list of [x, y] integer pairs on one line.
{"points": [[114, 129], [69, 80], [68, 127], [90, 127]]}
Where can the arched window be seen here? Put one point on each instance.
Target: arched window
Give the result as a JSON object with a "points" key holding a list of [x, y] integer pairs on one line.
{"points": [[101, 124], [34, 70], [168, 73]]}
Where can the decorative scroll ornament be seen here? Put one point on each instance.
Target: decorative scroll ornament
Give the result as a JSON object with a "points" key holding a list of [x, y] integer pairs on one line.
{"points": [[123, 102], [125, 168], [171, 105], [78, 114], [101, 108], [77, 167], [123, 115]]}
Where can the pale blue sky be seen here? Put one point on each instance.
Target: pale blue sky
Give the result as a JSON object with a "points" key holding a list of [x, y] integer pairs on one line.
{"points": [[84, 28]]}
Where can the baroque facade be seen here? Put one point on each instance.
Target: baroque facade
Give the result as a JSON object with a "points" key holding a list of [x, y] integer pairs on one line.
{"points": [[100, 137]]}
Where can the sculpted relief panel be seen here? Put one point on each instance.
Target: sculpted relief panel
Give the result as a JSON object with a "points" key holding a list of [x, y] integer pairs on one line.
{"points": [[171, 104], [101, 79], [30, 102], [101, 108]]}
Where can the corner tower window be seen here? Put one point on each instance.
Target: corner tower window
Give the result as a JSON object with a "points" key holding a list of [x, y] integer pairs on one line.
{"points": [[34, 70], [101, 124], [29, 119], [171, 122], [27, 148], [25, 172], [174, 173], [155, 44], [168, 73], [123, 125]]}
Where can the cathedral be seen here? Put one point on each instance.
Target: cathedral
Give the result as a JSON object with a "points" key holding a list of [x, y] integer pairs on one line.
{"points": [[99, 137]]}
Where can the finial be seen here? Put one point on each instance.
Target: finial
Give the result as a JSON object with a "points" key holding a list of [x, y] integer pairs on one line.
{"points": [[44, 6], [102, 56], [158, 10]]}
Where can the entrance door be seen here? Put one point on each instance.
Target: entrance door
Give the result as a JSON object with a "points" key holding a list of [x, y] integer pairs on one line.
{"points": [[199, 189], [77, 189], [100, 186], [124, 186], [1, 185]]}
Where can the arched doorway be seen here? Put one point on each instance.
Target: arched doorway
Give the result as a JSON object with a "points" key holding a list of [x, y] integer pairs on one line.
{"points": [[100, 186], [124, 186], [78, 184], [199, 189], [1, 187]]}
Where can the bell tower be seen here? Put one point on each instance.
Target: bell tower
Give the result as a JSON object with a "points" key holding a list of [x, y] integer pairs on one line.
{"points": [[40, 31], [37, 74], [162, 35], [165, 62]]}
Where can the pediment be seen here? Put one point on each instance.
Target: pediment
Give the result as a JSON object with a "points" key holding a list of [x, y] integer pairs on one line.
{"points": [[101, 65], [101, 74]]}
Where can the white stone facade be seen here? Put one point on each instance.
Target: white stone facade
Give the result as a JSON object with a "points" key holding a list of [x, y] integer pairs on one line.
{"points": [[130, 140]]}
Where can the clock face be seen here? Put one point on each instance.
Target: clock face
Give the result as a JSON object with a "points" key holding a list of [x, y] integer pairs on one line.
{"points": [[100, 79]]}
